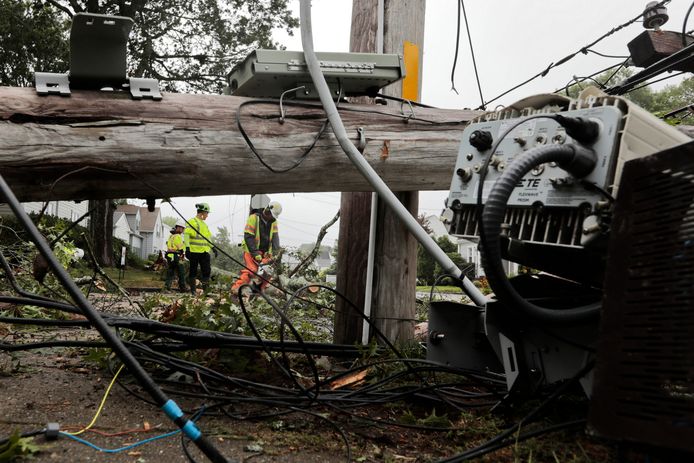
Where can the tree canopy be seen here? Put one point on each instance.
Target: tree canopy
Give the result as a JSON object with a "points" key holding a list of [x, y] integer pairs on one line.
{"points": [[428, 269], [658, 102], [187, 45], [32, 37]]}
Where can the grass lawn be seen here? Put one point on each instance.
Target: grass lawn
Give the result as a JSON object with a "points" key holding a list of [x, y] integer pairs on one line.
{"points": [[441, 289], [135, 278]]}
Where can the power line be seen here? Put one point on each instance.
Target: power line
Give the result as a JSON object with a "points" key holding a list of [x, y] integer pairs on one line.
{"points": [[472, 53], [583, 50]]}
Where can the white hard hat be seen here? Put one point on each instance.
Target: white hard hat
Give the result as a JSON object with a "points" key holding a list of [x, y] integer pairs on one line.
{"points": [[180, 223], [275, 208]]}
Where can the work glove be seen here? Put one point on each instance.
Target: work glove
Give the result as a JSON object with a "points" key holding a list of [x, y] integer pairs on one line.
{"points": [[187, 253], [258, 258], [215, 252]]}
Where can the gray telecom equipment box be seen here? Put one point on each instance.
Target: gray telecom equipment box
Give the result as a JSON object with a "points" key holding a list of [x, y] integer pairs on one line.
{"points": [[269, 73]]}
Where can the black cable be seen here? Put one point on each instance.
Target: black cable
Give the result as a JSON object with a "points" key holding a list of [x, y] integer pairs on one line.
{"points": [[403, 100], [525, 420], [604, 55], [310, 393], [437, 280], [472, 53], [688, 108], [581, 50], [41, 302], [619, 68], [684, 25], [337, 427], [254, 150], [522, 437], [13, 281], [656, 81], [565, 88], [455, 56], [666, 64], [95, 318]]}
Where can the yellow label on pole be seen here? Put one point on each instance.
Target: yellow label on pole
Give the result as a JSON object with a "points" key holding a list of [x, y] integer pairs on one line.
{"points": [[410, 84]]}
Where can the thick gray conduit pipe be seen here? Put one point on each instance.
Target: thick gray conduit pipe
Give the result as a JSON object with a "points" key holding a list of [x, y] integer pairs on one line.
{"points": [[365, 169], [576, 160]]}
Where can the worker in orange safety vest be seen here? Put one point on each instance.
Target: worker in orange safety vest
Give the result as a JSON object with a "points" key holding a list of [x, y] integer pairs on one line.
{"points": [[260, 239]]}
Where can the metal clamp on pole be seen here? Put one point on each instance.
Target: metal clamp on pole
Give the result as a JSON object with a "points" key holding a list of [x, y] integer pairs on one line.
{"points": [[98, 60]]}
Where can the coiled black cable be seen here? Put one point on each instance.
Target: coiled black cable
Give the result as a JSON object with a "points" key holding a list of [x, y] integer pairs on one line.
{"points": [[575, 159]]}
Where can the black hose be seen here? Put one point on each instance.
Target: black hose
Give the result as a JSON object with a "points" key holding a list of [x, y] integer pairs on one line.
{"points": [[102, 327], [576, 160]]}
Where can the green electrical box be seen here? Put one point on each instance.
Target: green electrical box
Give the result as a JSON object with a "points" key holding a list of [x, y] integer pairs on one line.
{"points": [[269, 73]]}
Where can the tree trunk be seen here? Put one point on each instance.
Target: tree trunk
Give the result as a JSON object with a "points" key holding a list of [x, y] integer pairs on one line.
{"points": [[101, 230]]}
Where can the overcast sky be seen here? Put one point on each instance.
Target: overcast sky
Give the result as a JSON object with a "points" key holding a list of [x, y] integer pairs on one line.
{"points": [[513, 40]]}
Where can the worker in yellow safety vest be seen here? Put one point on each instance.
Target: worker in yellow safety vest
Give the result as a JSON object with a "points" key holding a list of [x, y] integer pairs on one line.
{"points": [[198, 241], [174, 256], [260, 239]]}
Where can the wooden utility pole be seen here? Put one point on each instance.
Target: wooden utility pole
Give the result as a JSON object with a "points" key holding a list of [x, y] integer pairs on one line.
{"points": [[393, 298], [95, 145]]}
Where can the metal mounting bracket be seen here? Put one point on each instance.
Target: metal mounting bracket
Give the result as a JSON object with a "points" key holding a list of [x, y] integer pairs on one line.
{"points": [[52, 83], [98, 59], [361, 142], [141, 88]]}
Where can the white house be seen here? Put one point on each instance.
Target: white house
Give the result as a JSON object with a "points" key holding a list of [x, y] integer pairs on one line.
{"points": [[68, 210], [146, 232], [123, 231]]}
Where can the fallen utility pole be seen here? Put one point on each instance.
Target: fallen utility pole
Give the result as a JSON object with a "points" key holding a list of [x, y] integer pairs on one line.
{"points": [[95, 145]]}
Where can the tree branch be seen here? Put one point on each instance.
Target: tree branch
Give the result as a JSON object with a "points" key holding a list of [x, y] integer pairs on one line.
{"points": [[316, 248], [76, 6], [62, 8]]}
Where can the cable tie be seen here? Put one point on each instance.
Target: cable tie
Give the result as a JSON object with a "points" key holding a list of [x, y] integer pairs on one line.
{"points": [[172, 410], [192, 431]]}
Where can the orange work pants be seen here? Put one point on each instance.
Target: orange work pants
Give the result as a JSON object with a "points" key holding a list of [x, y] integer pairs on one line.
{"points": [[247, 273]]}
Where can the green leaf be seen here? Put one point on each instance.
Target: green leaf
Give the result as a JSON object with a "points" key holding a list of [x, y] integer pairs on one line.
{"points": [[17, 447]]}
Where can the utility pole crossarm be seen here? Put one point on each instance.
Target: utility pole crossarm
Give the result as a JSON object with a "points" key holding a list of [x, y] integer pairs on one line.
{"points": [[105, 145]]}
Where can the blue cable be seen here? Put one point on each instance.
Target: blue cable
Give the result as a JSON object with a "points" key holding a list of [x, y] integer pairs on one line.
{"points": [[131, 446], [127, 447]]}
